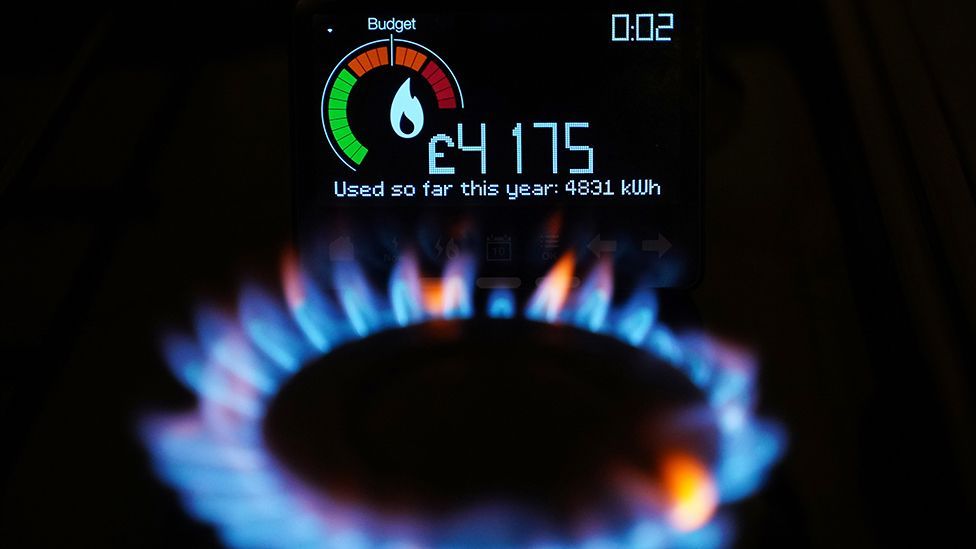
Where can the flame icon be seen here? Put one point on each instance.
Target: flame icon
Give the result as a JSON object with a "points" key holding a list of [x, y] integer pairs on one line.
{"points": [[406, 106]]}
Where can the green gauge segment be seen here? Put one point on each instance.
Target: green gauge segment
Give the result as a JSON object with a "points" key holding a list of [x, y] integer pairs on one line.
{"points": [[339, 117]]}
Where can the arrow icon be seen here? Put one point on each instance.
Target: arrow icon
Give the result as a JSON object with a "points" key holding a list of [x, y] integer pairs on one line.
{"points": [[661, 245], [600, 247]]}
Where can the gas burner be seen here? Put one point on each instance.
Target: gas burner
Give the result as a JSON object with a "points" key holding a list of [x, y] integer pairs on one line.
{"points": [[423, 419]]}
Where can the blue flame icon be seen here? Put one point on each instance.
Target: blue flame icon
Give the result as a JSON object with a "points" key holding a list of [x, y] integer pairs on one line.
{"points": [[406, 106]]}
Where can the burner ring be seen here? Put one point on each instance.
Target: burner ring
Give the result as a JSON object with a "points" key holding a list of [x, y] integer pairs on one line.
{"points": [[219, 460]]}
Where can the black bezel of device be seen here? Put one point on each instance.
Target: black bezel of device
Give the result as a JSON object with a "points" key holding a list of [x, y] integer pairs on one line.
{"points": [[375, 222]]}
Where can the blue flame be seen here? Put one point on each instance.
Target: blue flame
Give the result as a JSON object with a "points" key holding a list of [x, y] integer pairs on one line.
{"points": [[215, 458], [501, 304], [272, 329], [361, 306], [458, 287], [636, 318], [594, 299], [404, 289]]}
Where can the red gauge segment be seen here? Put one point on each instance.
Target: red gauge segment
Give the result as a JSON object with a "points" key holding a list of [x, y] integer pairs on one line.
{"points": [[440, 84]]}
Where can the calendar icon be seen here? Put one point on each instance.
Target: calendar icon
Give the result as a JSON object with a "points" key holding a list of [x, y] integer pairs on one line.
{"points": [[498, 248]]}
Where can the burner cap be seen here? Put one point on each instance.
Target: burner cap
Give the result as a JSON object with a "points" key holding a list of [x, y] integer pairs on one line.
{"points": [[449, 413]]}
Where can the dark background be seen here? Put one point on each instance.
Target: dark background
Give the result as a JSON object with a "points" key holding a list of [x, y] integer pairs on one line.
{"points": [[144, 162]]}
